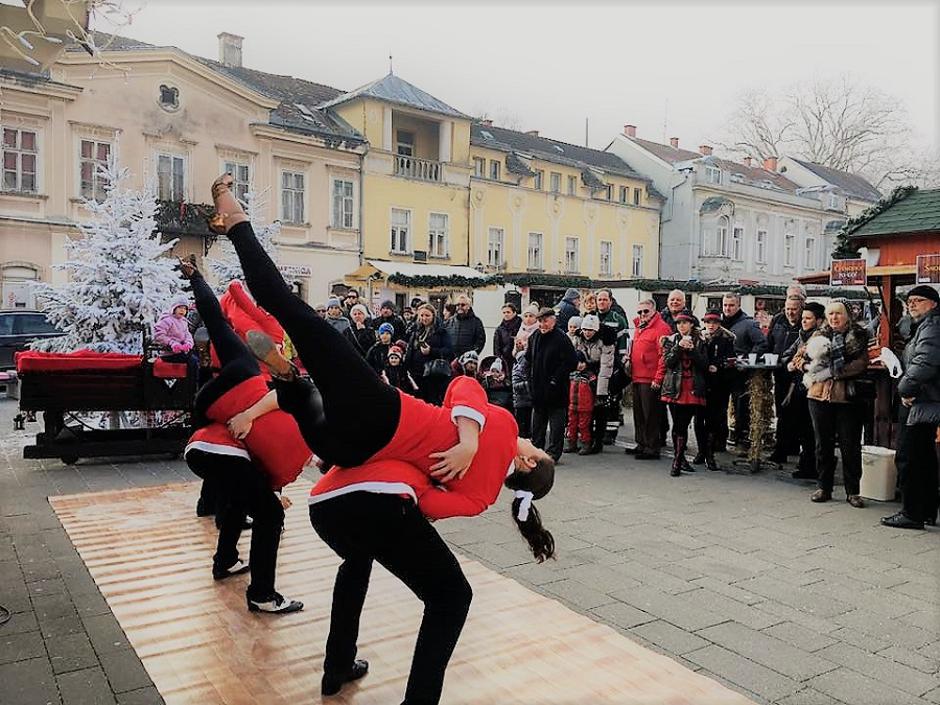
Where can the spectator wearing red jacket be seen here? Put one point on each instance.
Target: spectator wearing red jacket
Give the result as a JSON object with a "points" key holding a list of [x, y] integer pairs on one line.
{"points": [[648, 409]]}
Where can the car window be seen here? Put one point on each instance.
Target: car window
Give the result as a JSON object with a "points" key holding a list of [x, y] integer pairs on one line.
{"points": [[33, 324], [6, 325]]}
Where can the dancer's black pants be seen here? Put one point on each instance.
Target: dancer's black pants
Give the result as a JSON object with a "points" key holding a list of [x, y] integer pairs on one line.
{"points": [[243, 488], [917, 467], [362, 527], [360, 413]]}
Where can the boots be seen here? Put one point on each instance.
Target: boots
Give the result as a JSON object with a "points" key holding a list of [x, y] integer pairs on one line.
{"points": [[681, 443], [676, 470], [571, 446], [699, 457]]}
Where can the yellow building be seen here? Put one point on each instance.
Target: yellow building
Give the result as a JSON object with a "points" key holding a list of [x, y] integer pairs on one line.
{"points": [[547, 212]]}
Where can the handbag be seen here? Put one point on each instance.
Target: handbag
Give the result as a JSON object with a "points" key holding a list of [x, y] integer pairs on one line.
{"points": [[437, 368]]}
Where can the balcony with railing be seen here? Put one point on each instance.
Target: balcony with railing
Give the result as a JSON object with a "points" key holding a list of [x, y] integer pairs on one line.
{"points": [[420, 169]]}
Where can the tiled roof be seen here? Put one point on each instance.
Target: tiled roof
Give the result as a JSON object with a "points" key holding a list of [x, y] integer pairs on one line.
{"points": [[393, 89], [290, 91], [666, 152], [919, 212], [850, 184], [753, 175]]}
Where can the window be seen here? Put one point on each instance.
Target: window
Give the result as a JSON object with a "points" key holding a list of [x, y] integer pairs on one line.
{"points": [[494, 170], [636, 268], [169, 97], [834, 202], [636, 196], [92, 156], [571, 254], [20, 153], [713, 175], [572, 185], [717, 245], [539, 177], [623, 194], [534, 260], [556, 182], [479, 167], [405, 143], [610, 192], [607, 251], [809, 258], [761, 255], [788, 241], [737, 243], [292, 197], [494, 250], [343, 216], [240, 173], [437, 235], [401, 231], [171, 177]]}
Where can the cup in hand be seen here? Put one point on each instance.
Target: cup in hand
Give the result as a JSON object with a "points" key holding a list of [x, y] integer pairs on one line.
{"points": [[752, 359]]}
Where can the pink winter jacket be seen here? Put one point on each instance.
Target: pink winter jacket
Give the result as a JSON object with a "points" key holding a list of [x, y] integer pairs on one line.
{"points": [[172, 332]]}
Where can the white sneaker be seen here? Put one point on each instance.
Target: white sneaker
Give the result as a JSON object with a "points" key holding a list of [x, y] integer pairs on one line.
{"points": [[278, 604], [237, 568]]}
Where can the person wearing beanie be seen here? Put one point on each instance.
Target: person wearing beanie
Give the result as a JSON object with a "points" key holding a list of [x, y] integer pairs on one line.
{"points": [[570, 305], [919, 414], [389, 314], [505, 333], [361, 328], [574, 326], [467, 364], [596, 344], [580, 406], [395, 373], [711, 428], [377, 355]]}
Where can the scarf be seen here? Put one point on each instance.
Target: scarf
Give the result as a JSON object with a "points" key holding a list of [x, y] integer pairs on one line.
{"points": [[837, 354]]}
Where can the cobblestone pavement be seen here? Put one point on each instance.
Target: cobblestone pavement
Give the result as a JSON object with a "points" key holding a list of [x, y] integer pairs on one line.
{"points": [[738, 577]]}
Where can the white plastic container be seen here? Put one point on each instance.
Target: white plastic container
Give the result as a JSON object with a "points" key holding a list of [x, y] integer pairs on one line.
{"points": [[879, 473]]}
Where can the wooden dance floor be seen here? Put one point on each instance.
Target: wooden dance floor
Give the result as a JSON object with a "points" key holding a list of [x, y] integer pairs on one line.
{"points": [[151, 559]]}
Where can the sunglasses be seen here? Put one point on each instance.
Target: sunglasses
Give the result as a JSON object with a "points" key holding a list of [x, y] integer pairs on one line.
{"points": [[463, 305], [642, 312]]}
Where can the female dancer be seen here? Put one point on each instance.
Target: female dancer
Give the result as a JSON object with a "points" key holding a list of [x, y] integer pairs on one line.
{"points": [[245, 472]]}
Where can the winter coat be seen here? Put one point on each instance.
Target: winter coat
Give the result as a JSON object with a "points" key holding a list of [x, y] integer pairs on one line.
{"points": [[921, 378], [498, 387], [600, 359], [719, 348], [666, 316], [551, 359], [614, 320], [341, 324], [782, 335], [377, 356], [172, 332], [521, 398], [439, 342], [466, 331], [682, 374], [855, 359], [504, 340], [396, 322], [566, 309], [748, 337], [400, 378], [365, 337], [645, 351]]}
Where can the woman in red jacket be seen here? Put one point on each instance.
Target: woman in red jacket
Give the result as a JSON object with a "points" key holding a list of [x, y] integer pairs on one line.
{"points": [[645, 354]]}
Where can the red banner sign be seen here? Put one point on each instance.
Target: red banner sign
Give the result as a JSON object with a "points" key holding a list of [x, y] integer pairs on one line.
{"points": [[847, 272], [928, 269]]}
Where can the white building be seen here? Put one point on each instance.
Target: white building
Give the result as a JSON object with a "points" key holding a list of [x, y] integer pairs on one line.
{"points": [[728, 221], [842, 192]]}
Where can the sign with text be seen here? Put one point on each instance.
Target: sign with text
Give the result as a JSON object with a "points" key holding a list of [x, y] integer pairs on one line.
{"points": [[294, 270], [847, 272], [928, 269]]}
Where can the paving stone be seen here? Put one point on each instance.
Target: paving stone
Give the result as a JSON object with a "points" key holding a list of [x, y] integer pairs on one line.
{"points": [[849, 686], [795, 596], [807, 696], [28, 683], [143, 696], [47, 586], [884, 670], [911, 658], [747, 674], [52, 606], [19, 623], [889, 631], [767, 650], [622, 615], [61, 626], [732, 591], [731, 609], [578, 594], [105, 633], [86, 687], [671, 638], [90, 603], [604, 578], [70, 652], [20, 647], [799, 636], [933, 696], [671, 608], [125, 671]]}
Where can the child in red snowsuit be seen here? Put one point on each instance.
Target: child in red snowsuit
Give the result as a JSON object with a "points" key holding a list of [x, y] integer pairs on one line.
{"points": [[580, 408]]}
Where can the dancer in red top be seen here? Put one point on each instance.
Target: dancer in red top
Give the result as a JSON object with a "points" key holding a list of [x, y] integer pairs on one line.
{"points": [[378, 520]]}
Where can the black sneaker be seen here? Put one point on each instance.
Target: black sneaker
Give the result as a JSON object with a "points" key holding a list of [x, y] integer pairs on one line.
{"points": [[276, 604], [332, 684], [901, 521], [237, 568]]}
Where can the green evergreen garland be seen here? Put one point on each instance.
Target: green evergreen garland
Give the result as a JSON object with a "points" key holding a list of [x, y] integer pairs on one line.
{"points": [[844, 248]]}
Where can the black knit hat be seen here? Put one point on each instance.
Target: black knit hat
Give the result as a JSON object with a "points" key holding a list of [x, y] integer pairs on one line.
{"points": [[817, 308], [926, 292]]}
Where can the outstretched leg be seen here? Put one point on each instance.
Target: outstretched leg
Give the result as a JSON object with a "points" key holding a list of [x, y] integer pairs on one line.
{"points": [[228, 346]]}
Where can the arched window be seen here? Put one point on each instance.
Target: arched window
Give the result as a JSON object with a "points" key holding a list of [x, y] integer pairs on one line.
{"points": [[17, 285]]}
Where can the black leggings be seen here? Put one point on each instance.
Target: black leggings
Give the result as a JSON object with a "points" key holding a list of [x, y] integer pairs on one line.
{"points": [[682, 416], [359, 412]]}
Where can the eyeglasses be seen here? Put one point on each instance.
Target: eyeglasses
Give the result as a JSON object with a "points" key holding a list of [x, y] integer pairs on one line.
{"points": [[916, 300], [463, 305], [642, 312]]}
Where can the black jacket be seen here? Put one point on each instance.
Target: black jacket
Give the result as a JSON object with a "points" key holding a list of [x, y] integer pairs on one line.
{"points": [[782, 335], [467, 333], [566, 310], [504, 341], [377, 356], [720, 348], [396, 322], [748, 337], [439, 342], [921, 358], [551, 360], [673, 356], [365, 337]]}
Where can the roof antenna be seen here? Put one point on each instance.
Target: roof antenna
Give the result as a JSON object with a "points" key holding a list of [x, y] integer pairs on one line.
{"points": [[390, 72]]}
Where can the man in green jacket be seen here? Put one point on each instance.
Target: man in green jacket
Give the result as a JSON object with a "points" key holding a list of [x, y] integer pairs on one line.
{"points": [[617, 324]]}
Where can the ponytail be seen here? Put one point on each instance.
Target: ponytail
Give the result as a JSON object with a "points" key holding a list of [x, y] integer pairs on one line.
{"points": [[540, 539]]}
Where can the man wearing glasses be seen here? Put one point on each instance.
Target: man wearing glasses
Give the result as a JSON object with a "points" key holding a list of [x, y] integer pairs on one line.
{"points": [[919, 414], [467, 329], [648, 410]]}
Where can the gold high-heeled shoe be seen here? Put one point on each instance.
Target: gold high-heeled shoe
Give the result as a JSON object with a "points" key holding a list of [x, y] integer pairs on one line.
{"points": [[219, 186]]}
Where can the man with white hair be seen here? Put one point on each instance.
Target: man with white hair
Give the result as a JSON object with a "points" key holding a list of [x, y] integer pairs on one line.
{"points": [[675, 304]]}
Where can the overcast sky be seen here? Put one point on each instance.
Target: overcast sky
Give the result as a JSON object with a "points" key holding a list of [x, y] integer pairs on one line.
{"points": [[550, 67]]}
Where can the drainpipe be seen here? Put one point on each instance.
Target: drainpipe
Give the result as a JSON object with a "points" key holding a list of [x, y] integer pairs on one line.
{"points": [[361, 239]]}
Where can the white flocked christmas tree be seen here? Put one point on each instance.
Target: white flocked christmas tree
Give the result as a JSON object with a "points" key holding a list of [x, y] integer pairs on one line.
{"points": [[120, 279], [227, 268]]}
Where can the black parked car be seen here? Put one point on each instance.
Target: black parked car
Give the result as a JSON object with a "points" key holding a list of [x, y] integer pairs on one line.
{"points": [[18, 329]]}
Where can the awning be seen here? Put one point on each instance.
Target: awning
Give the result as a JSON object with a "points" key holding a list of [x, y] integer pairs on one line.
{"points": [[878, 271]]}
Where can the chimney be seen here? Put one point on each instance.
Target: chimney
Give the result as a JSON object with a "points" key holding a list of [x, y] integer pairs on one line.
{"points": [[747, 161], [629, 130], [770, 164], [230, 49], [674, 142], [486, 123], [532, 133], [705, 150]]}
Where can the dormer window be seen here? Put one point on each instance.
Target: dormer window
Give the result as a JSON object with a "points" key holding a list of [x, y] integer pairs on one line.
{"points": [[834, 202], [712, 175], [169, 97]]}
